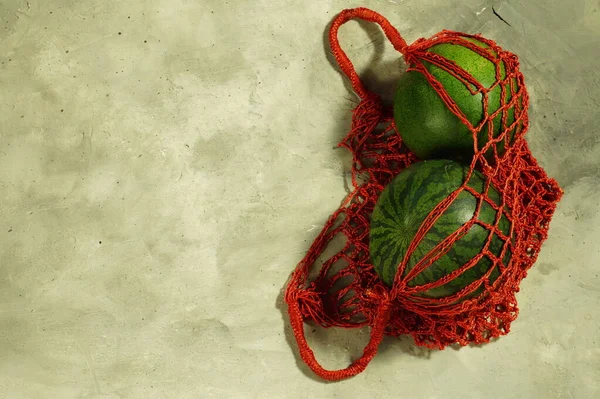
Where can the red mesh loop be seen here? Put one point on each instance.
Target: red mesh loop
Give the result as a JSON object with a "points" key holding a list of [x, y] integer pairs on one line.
{"points": [[344, 290], [344, 62], [370, 350]]}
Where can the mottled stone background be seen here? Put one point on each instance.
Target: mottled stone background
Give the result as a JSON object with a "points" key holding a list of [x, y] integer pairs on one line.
{"points": [[164, 164]]}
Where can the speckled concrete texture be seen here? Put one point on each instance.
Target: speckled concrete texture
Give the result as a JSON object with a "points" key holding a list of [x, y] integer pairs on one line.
{"points": [[164, 164]]}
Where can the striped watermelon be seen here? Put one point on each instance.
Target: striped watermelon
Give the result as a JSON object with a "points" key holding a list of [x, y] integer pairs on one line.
{"points": [[429, 128], [407, 201]]}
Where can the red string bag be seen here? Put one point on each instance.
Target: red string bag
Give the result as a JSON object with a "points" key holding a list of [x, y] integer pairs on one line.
{"points": [[345, 291]]}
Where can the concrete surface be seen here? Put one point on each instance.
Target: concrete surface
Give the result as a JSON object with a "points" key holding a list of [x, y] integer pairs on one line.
{"points": [[164, 164]]}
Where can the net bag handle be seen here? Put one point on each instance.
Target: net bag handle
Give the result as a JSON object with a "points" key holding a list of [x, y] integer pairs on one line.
{"points": [[342, 59], [294, 293], [359, 365]]}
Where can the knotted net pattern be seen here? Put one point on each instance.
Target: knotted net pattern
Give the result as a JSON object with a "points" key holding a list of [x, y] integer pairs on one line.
{"points": [[343, 290]]}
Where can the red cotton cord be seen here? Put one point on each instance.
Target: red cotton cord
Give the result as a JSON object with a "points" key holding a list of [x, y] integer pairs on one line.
{"points": [[346, 291]]}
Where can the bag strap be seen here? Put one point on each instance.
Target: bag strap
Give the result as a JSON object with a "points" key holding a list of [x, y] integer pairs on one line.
{"points": [[359, 365], [342, 59]]}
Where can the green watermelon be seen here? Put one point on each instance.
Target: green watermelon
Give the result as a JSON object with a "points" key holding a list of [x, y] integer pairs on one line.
{"points": [[407, 201], [425, 123]]}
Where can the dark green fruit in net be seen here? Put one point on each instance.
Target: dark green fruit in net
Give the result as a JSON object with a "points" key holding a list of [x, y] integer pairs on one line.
{"points": [[429, 128], [408, 200]]}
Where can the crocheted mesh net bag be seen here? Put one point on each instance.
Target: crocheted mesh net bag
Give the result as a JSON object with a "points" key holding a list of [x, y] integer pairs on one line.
{"points": [[344, 290]]}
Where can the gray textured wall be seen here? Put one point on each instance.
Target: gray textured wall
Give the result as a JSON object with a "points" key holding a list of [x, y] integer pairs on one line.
{"points": [[164, 164]]}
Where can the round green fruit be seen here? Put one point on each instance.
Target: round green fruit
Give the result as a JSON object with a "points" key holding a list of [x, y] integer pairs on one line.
{"points": [[429, 128], [408, 200]]}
